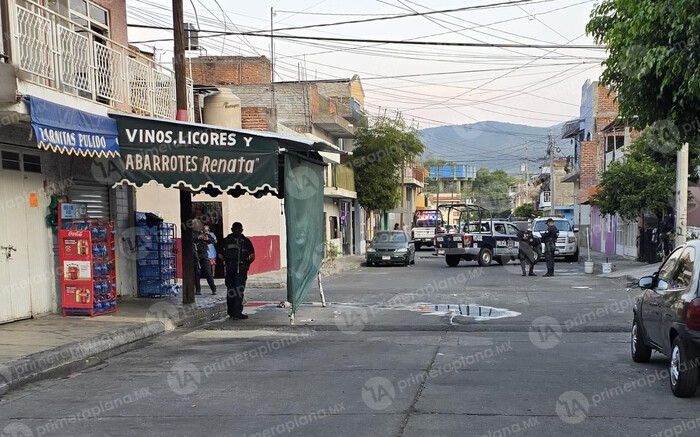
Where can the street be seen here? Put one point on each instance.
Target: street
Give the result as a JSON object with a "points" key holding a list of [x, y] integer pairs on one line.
{"points": [[387, 357]]}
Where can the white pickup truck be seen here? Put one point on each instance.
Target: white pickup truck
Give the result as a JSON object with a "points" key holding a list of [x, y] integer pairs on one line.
{"points": [[424, 224]]}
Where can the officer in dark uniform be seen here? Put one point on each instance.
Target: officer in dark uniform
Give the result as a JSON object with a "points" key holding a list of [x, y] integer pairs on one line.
{"points": [[526, 253], [549, 238], [238, 253]]}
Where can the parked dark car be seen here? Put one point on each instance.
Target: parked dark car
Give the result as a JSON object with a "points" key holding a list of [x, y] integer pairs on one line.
{"points": [[391, 247], [667, 318]]}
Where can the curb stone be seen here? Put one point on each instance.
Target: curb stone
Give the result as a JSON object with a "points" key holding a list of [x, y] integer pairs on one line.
{"points": [[79, 355]]}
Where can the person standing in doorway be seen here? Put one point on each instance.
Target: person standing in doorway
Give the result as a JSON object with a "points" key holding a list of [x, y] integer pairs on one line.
{"points": [[211, 250], [238, 253], [549, 238], [397, 227], [201, 241]]}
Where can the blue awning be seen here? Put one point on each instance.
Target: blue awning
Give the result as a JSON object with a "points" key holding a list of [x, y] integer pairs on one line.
{"points": [[73, 132]]}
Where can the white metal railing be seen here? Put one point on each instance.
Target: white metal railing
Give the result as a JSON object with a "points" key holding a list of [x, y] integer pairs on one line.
{"points": [[66, 56]]}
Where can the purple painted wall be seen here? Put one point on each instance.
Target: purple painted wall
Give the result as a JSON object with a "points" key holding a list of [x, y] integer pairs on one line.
{"points": [[599, 229]]}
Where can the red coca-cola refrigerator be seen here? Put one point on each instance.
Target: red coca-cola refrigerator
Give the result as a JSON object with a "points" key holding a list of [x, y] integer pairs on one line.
{"points": [[87, 257]]}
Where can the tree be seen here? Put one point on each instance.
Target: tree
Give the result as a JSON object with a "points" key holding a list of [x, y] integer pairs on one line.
{"points": [[383, 147], [643, 183], [526, 210], [653, 62], [490, 190]]}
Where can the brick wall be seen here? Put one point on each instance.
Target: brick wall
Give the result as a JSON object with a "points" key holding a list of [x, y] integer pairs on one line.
{"points": [[226, 70], [254, 118], [589, 169]]}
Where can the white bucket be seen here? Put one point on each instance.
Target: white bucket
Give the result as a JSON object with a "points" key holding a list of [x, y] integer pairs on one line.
{"points": [[588, 266], [607, 267]]}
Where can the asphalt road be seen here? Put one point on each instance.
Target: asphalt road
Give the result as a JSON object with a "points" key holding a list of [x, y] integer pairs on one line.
{"points": [[387, 357]]}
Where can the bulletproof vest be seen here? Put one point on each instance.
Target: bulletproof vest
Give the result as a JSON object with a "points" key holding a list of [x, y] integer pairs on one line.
{"points": [[234, 249]]}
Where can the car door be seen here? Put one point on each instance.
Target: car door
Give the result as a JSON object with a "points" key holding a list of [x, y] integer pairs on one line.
{"points": [[513, 234], [501, 237], [673, 299], [651, 305]]}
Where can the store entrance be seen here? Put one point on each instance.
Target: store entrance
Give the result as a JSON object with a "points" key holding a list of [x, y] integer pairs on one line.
{"points": [[210, 213]]}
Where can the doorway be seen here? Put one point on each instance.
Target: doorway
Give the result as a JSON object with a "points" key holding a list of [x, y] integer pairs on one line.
{"points": [[210, 213]]}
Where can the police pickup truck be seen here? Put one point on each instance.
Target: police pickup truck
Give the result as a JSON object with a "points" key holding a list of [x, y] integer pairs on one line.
{"points": [[425, 224], [480, 239]]}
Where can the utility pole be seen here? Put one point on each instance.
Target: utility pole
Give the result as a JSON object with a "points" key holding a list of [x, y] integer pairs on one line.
{"points": [[272, 56], [552, 178], [681, 195], [403, 190], [527, 178], [185, 196]]}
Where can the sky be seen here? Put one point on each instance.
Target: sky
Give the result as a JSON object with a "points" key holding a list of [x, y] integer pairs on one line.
{"points": [[429, 85]]}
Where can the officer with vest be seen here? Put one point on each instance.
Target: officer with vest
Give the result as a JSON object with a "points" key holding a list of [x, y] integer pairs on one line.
{"points": [[549, 238], [238, 253]]}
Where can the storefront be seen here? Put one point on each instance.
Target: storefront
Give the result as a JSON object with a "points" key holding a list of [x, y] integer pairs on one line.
{"points": [[213, 160], [57, 157]]}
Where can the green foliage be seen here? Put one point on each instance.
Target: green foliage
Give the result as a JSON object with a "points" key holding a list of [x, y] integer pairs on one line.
{"points": [[490, 189], [526, 210], [654, 60], [383, 148], [643, 183]]}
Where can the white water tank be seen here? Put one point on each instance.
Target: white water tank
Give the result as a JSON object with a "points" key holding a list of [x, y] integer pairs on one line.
{"points": [[222, 109]]}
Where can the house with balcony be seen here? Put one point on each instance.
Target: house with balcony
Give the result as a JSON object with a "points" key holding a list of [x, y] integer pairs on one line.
{"points": [[64, 65]]}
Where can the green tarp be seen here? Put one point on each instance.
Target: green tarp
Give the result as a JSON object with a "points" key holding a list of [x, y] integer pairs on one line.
{"points": [[303, 206], [195, 156]]}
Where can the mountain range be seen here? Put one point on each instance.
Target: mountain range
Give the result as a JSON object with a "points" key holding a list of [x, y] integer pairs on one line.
{"points": [[493, 145]]}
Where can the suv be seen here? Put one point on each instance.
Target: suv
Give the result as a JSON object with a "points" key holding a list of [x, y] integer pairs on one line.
{"points": [[567, 246], [478, 238]]}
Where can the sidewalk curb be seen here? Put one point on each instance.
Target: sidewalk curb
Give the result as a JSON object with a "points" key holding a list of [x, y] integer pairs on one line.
{"points": [[79, 355], [261, 283]]}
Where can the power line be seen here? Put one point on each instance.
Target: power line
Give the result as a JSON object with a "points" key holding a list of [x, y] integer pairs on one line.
{"points": [[216, 33]]}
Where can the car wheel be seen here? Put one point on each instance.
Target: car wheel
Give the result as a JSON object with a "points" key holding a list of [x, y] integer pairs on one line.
{"points": [[573, 258], [683, 369], [370, 264], [452, 260], [641, 353], [485, 257]]}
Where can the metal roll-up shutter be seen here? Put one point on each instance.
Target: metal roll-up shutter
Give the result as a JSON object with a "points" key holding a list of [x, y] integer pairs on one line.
{"points": [[95, 196]]}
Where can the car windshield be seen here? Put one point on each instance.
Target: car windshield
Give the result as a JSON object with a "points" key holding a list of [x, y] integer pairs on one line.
{"points": [[424, 219], [390, 237], [561, 224]]}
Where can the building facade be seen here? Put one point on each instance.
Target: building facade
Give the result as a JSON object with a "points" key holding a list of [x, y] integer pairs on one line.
{"points": [[75, 56]]}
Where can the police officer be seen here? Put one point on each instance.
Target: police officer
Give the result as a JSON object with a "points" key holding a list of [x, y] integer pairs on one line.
{"points": [[238, 253], [549, 238], [526, 253]]}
